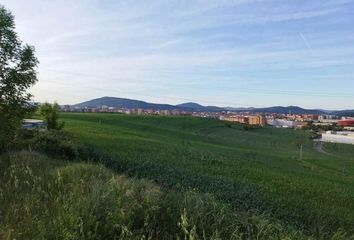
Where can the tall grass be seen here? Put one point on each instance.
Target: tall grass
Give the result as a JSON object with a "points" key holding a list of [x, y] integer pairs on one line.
{"points": [[43, 198]]}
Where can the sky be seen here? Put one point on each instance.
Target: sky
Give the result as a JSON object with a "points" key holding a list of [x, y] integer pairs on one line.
{"points": [[235, 53]]}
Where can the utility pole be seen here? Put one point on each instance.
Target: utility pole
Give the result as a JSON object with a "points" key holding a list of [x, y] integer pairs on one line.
{"points": [[301, 152]]}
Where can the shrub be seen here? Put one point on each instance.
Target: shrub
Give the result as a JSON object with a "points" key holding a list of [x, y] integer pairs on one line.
{"points": [[53, 143], [50, 114], [249, 127]]}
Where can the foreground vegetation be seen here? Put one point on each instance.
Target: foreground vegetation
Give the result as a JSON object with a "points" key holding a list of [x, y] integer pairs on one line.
{"points": [[256, 171], [18, 72], [45, 198]]}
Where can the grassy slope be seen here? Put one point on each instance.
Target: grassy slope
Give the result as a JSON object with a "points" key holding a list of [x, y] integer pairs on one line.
{"points": [[45, 198], [253, 170]]}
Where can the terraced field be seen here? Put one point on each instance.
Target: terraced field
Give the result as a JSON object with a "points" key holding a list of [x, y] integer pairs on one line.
{"points": [[255, 170]]}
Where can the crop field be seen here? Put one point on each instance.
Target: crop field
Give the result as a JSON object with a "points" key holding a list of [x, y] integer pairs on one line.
{"points": [[257, 170]]}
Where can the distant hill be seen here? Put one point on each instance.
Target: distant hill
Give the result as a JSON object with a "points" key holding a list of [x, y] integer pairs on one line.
{"points": [[285, 110], [349, 113], [191, 106], [200, 108], [130, 103], [239, 109], [123, 103]]}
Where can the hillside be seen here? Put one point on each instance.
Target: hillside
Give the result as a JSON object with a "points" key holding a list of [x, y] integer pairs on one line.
{"points": [[190, 106], [123, 102], [130, 103], [190, 179], [344, 113], [47, 198], [286, 110], [253, 170], [200, 108]]}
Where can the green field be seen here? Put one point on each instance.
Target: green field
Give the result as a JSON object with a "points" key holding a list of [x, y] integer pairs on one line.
{"points": [[255, 170], [47, 198]]}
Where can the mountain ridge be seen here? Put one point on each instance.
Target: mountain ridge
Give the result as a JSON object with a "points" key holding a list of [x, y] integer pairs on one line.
{"points": [[192, 106]]}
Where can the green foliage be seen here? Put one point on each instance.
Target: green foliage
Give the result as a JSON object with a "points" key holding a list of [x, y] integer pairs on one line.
{"points": [[45, 199], [59, 144], [249, 127], [50, 114], [42, 198], [17, 74], [317, 128], [54, 143], [253, 171], [8, 129]]}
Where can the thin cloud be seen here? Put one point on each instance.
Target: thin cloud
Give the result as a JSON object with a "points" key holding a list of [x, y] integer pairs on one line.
{"points": [[175, 46], [306, 43]]}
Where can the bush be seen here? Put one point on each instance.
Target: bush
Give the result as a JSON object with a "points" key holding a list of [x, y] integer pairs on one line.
{"points": [[8, 130], [50, 113], [53, 143], [249, 127]]}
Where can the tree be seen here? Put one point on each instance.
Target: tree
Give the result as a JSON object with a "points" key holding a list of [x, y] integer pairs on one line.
{"points": [[50, 113], [17, 73]]}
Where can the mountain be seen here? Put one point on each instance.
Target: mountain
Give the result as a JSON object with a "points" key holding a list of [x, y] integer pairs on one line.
{"points": [[239, 109], [199, 108], [130, 103], [191, 106], [286, 110], [123, 103], [348, 113]]}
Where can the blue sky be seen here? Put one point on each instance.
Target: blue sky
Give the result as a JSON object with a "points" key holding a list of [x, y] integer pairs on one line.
{"points": [[228, 53]]}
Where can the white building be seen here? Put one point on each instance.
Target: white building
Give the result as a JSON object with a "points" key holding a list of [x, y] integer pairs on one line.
{"points": [[346, 137], [281, 123], [33, 123]]}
